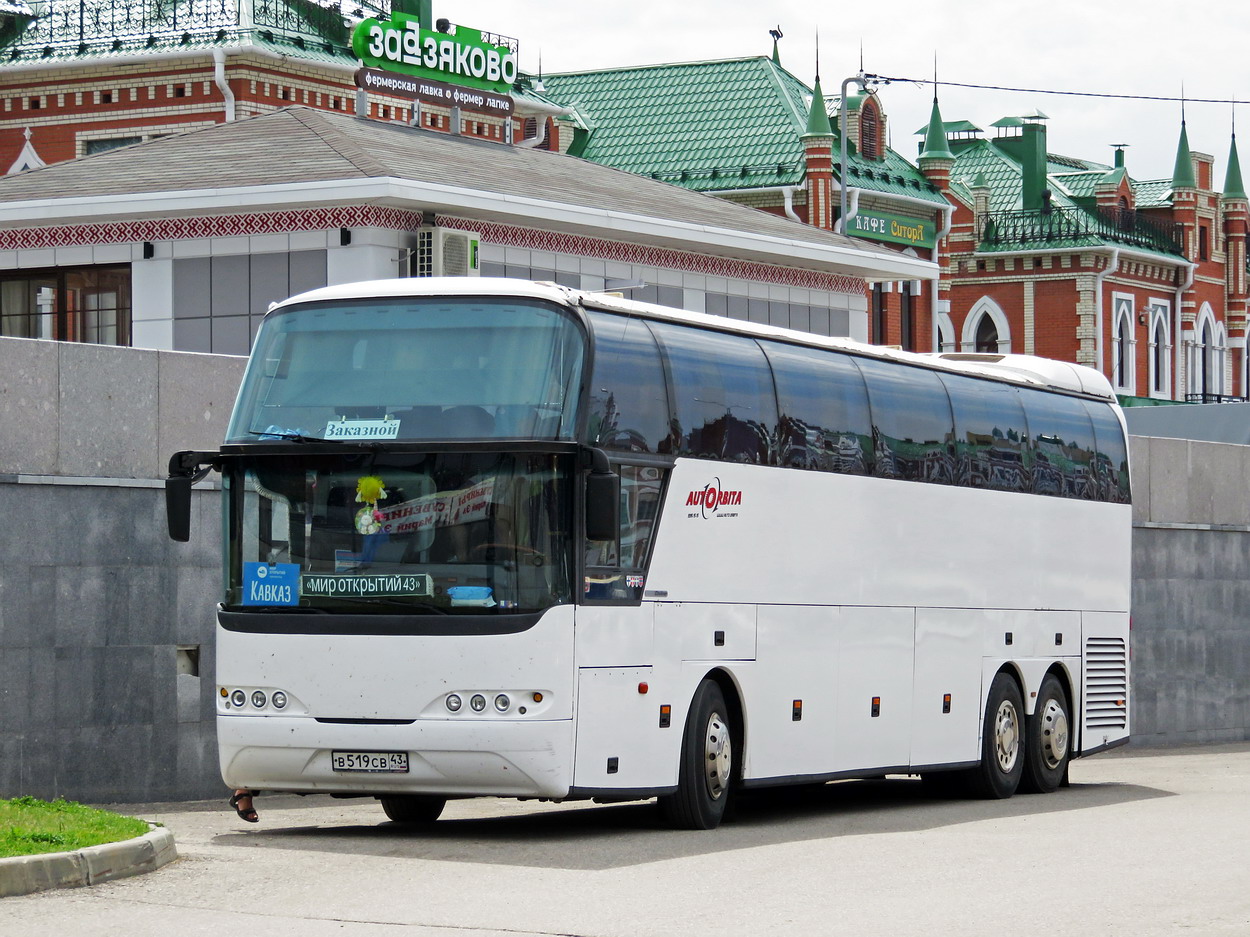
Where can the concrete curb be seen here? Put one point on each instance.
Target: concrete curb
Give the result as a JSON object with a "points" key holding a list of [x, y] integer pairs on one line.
{"points": [[22, 875]]}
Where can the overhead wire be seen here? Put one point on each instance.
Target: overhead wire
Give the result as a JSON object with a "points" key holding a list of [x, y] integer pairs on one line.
{"points": [[1185, 99]]}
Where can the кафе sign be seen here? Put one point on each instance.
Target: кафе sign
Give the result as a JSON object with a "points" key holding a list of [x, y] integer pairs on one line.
{"points": [[458, 68], [897, 229]]}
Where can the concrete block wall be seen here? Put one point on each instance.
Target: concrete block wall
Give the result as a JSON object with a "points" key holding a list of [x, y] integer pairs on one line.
{"points": [[106, 626], [1191, 591]]}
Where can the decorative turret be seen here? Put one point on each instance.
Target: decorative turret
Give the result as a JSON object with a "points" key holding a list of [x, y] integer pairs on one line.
{"points": [[818, 155], [1183, 172], [935, 145], [1233, 186]]}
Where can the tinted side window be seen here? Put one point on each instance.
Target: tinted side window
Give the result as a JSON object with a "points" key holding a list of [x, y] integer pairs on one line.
{"points": [[722, 394], [1063, 439], [1111, 460], [628, 404], [913, 432], [991, 436], [824, 410]]}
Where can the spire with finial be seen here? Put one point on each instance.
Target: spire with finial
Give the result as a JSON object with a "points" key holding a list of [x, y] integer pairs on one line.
{"points": [[935, 145], [1183, 172], [818, 118], [1233, 186]]}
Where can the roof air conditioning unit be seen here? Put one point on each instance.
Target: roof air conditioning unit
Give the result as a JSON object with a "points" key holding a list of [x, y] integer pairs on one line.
{"points": [[445, 252]]}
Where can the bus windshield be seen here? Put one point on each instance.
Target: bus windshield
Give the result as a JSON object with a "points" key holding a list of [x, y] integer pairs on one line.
{"points": [[407, 532], [413, 369]]}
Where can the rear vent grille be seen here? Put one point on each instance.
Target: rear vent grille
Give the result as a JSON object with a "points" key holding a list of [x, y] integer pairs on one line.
{"points": [[1106, 683]]}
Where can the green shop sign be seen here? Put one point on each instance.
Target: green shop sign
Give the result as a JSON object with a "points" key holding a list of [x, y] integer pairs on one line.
{"points": [[897, 229], [461, 56]]}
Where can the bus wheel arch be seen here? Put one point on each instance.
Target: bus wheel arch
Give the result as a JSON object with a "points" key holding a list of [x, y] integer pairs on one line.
{"points": [[711, 756], [1002, 738]]}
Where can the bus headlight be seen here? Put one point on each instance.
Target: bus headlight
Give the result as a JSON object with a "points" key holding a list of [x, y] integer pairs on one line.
{"points": [[477, 703], [238, 697], [259, 699], [278, 699], [454, 703], [502, 703]]}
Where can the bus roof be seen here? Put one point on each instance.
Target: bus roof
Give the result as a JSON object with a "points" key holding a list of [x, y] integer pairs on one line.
{"points": [[1017, 369]]}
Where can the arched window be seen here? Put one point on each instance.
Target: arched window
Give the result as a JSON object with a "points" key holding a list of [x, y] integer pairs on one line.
{"points": [[987, 336], [1160, 363], [986, 329], [1123, 377], [870, 129], [1205, 361]]}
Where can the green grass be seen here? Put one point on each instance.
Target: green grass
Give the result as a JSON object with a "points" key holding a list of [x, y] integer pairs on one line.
{"points": [[29, 826]]}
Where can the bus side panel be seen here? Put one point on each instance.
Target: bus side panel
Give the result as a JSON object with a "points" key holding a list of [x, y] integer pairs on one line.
{"points": [[1104, 704], [948, 661]]}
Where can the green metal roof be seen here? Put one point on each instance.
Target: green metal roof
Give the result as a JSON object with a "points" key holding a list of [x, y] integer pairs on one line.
{"points": [[714, 126], [1153, 193]]}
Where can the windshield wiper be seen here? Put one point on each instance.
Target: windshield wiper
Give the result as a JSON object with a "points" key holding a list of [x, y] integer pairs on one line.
{"points": [[283, 434]]}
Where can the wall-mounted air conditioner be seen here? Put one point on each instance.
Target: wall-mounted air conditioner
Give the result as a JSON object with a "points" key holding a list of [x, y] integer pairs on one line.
{"points": [[445, 252]]}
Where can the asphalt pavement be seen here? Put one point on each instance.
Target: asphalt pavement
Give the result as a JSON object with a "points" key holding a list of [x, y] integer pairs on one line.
{"points": [[1144, 843]]}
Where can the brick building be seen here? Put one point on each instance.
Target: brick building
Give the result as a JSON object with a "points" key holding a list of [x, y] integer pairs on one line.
{"points": [[1073, 259]]}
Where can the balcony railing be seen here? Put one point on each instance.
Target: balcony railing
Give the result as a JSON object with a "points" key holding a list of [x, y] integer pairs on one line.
{"points": [[1024, 229], [86, 25]]}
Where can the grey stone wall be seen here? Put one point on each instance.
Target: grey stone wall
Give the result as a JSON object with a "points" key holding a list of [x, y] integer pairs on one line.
{"points": [[106, 626], [1191, 592]]}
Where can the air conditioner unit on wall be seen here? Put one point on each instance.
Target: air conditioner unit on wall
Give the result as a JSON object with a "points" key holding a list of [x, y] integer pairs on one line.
{"points": [[445, 252]]}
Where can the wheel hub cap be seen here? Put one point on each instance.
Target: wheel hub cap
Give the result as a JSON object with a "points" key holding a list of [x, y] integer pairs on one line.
{"points": [[718, 756], [1054, 734], [1006, 735]]}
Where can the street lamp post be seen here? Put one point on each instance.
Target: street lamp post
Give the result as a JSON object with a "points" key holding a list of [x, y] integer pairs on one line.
{"points": [[842, 120]]}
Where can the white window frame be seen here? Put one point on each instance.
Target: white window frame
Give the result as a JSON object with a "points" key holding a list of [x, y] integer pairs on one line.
{"points": [[986, 307], [1160, 317]]}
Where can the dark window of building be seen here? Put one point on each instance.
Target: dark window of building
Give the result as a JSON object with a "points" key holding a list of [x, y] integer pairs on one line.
{"points": [[824, 424], [106, 97], [111, 143], [991, 435], [912, 426], [878, 315], [629, 408], [987, 335], [906, 318], [1204, 246], [1159, 350], [1123, 345], [77, 304], [35, 104], [723, 397]]}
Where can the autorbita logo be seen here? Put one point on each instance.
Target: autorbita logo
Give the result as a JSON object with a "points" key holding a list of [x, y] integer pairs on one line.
{"points": [[712, 499]]}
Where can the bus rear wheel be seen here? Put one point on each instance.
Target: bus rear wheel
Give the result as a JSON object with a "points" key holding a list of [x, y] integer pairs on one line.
{"points": [[413, 808], [1047, 740], [1002, 742], [707, 764]]}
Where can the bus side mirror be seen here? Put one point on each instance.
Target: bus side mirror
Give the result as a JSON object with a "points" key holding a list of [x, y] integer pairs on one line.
{"points": [[603, 499], [185, 469]]}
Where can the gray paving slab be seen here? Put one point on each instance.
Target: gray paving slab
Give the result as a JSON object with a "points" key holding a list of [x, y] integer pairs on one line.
{"points": [[1145, 843]]}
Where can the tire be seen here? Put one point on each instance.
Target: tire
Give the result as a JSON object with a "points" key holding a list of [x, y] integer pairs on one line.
{"points": [[413, 808], [1002, 745], [1048, 740], [708, 764]]}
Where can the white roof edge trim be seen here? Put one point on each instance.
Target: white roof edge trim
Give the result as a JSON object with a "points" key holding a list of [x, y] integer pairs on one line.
{"points": [[878, 263]]}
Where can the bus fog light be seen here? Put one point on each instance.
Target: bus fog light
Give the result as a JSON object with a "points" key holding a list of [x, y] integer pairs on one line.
{"points": [[238, 697], [454, 703], [278, 699], [502, 703], [259, 699], [478, 702]]}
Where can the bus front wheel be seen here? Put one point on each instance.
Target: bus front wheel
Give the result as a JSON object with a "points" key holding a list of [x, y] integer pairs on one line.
{"points": [[413, 808], [1002, 741], [707, 764], [1047, 740]]}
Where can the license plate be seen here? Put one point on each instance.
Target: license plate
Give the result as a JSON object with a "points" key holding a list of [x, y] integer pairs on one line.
{"points": [[370, 762]]}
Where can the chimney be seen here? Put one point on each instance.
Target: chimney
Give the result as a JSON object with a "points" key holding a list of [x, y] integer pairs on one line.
{"points": [[1033, 165]]}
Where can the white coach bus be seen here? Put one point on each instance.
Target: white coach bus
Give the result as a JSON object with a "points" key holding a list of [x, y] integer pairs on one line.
{"points": [[493, 537]]}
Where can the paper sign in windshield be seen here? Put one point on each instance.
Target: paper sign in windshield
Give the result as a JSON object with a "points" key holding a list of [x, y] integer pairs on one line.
{"points": [[442, 509], [362, 429], [270, 583], [331, 586]]}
